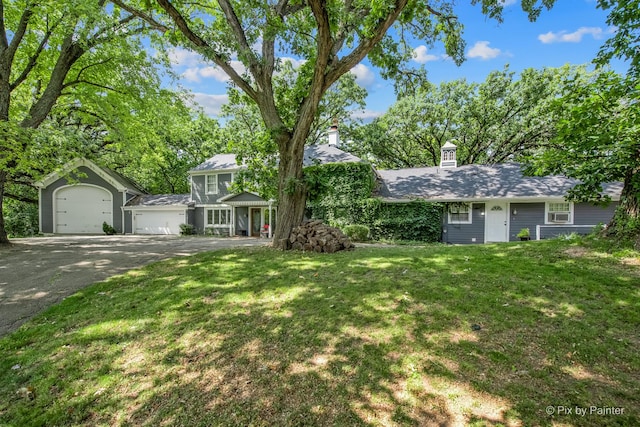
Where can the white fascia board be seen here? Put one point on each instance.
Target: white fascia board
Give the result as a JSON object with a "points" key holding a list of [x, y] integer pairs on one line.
{"points": [[214, 171], [75, 164], [156, 208]]}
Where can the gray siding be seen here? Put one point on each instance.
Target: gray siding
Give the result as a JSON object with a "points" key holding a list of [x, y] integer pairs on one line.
{"points": [[198, 220], [242, 220], [584, 214], [198, 188], [588, 214], [89, 178], [466, 233], [528, 215]]}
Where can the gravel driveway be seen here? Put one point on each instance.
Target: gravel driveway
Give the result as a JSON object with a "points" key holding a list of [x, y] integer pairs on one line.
{"points": [[36, 273]]}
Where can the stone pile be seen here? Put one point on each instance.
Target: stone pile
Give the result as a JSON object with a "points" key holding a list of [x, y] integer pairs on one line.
{"points": [[318, 237]]}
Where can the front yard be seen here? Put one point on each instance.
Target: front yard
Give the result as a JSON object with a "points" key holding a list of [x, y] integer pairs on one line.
{"points": [[511, 334]]}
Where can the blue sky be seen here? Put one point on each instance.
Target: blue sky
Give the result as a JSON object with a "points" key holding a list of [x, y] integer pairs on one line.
{"points": [[570, 33]]}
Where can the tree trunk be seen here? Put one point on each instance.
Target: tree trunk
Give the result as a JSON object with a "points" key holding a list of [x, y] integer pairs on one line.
{"points": [[292, 193], [625, 225], [4, 239]]}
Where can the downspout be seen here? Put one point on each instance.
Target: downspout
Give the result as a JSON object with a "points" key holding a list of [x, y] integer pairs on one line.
{"points": [[124, 202], [40, 209]]}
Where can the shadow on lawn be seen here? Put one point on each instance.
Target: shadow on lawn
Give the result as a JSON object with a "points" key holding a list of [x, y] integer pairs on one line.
{"points": [[366, 338]]}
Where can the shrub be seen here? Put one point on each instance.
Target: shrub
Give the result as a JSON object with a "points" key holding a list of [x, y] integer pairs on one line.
{"points": [[187, 229], [357, 232], [108, 230]]}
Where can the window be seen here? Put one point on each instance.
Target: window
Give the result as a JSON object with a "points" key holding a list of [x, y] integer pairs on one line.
{"points": [[559, 213], [219, 217], [460, 213], [211, 184]]}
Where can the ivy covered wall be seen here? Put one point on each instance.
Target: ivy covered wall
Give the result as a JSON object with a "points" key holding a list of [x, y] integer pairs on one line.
{"points": [[341, 194]]}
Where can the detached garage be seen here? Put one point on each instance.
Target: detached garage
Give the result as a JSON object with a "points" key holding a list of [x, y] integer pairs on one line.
{"points": [[81, 196], [81, 209], [158, 214]]}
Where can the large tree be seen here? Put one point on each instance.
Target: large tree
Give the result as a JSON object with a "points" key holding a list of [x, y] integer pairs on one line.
{"points": [[331, 36], [598, 138], [501, 119], [60, 60]]}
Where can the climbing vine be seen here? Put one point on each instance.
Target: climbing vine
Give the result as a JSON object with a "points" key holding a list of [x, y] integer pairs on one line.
{"points": [[341, 195]]}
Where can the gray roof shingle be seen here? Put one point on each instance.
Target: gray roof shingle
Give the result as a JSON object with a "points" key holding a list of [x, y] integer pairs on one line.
{"points": [[313, 154], [475, 182], [161, 200]]}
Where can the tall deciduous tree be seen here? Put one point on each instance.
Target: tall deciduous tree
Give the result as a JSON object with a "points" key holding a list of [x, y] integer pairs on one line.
{"points": [[72, 51], [598, 139], [498, 120], [331, 36]]}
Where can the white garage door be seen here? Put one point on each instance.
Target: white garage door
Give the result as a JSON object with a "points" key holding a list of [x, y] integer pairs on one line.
{"points": [[81, 209], [158, 221]]}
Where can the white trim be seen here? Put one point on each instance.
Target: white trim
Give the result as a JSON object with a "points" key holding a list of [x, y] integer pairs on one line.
{"points": [[541, 199], [571, 213], [155, 208], [215, 186], [469, 221], [539, 227], [232, 195], [229, 223], [214, 171], [74, 165]]}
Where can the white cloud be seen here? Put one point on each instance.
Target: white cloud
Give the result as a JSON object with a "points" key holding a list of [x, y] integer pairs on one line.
{"points": [[184, 58], [296, 63], [421, 55], [364, 75], [211, 104], [366, 115], [508, 2], [575, 37], [196, 74], [482, 50]]}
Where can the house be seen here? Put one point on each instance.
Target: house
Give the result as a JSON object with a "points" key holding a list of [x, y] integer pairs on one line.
{"points": [[219, 211], [484, 203], [492, 203], [82, 195]]}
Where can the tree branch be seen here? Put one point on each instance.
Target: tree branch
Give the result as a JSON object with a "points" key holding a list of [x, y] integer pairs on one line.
{"points": [[33, 58], [145, 17], [200, 44]]}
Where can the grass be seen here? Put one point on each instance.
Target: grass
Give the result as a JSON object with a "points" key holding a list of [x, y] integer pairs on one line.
{"points": [[436, 335]]}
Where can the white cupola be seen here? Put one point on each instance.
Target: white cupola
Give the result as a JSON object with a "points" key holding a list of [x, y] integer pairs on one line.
{"points": [[448, 156]]}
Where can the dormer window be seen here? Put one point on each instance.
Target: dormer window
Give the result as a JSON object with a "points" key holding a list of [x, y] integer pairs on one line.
{"points": [[448, 156]]}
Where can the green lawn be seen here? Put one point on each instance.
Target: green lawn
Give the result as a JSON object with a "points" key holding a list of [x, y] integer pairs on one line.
{"points": [[444, 335]]}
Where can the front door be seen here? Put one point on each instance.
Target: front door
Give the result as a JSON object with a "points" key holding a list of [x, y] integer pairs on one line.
{"points": [[496, 222], [256, 221]]}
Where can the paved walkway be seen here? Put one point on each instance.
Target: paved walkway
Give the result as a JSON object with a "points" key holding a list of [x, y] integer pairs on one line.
{"points": [[38, 272]]}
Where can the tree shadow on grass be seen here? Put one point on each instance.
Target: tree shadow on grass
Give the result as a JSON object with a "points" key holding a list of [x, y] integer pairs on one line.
{"points": [[373, 337]]}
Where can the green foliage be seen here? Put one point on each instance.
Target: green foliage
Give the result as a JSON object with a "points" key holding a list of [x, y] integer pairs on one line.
{"points": [[523, 233], [498, 120], [21, 219], [340, 194], [357, 232], [624, 16], [417, 220], [187, 229], [108, 229]]}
